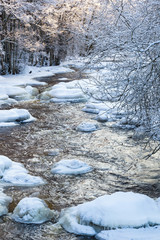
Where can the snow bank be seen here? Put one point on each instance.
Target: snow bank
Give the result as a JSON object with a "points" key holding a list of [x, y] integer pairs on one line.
{"points": [[71, 167], [87, 127], [32, 210], [13, 116], [11, 94], [14, 173], [12, 91], [4, 202], [30, 72], [19, 87], [150, 233], [119, 210]]}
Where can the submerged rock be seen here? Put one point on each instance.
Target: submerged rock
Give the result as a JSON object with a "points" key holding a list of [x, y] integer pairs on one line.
{"points": [[32, 210], [87, 127], [4, 202], [71, 167], [51, 152]]}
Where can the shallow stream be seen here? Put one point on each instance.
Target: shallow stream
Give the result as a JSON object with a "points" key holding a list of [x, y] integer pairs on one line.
{"points": [[118, 162]]}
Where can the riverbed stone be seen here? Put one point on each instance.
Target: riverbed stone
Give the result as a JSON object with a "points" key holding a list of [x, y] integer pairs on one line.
{"points": [[51, 152]]}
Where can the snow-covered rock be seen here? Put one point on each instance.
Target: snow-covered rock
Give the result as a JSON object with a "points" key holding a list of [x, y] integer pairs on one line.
{"points": [[87, 127], [12, 91], [14, 173], [130, 234], [128, 123], [32, 90], [4, 202], [15, 116], [71, 167], [3, 96], [8, 101], [96, 107], [102, 116], [118, 210], [32, 210], [65, 92]]}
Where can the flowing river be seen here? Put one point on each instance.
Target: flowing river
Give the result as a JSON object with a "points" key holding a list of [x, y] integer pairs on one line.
{"points": [[118, 160]]}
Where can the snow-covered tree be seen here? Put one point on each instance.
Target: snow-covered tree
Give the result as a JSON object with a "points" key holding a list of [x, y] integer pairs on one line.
{"points": [[131, 39]]}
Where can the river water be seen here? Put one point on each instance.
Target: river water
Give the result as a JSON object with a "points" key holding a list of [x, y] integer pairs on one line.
{"points": [[118, 162]]}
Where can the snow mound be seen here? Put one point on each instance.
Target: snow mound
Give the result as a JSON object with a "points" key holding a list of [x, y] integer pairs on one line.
{"points": [[87, 127], [32, 210], [130, 234], [118, 210], [15, 116], [71, 167], [15, 174], [4, 202], [65, 92]]}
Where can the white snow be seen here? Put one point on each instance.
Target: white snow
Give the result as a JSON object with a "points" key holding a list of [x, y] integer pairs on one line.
{"points": [[32, 210], [14, 173], [18, 87], [71, 167], [149, 233], [13, 116], [87, 127], [65, 92], [102, 116], [98, 106], [118, 210], [4, 202], [75, 62], [29, 73], [63, 79], [12, 91]]}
